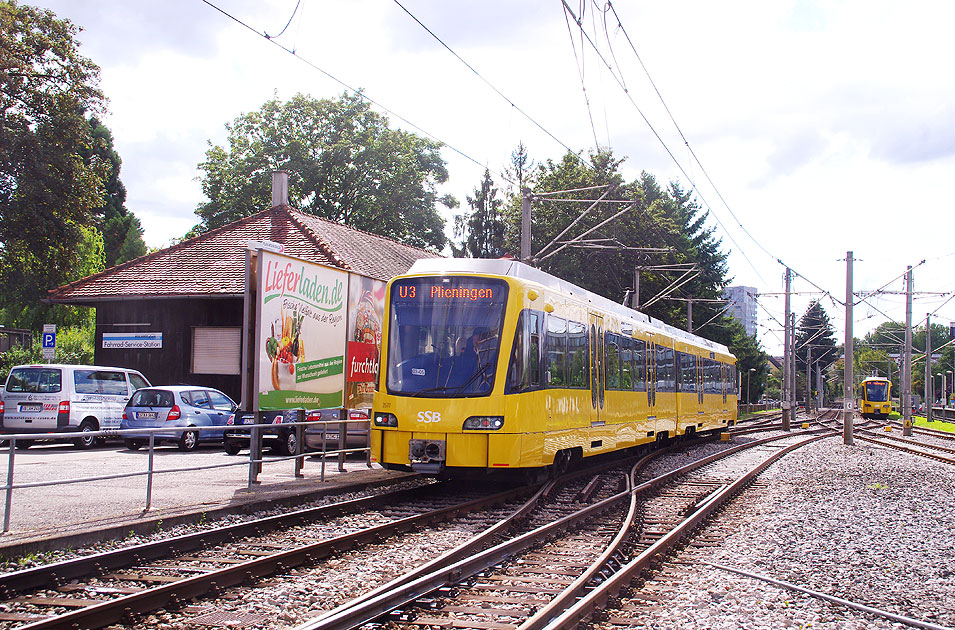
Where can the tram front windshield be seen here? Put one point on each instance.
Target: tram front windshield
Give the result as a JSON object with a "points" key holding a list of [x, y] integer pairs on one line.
{"points": [[444, 336], [877, 391]]}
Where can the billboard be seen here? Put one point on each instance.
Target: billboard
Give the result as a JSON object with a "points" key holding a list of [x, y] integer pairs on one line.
{"points": [[301, 328], [366, 305]]}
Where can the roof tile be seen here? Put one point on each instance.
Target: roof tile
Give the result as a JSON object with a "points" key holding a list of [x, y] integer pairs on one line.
{"points": [[211, 264]]}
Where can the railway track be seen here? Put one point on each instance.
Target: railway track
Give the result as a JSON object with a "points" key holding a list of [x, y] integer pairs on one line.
{"points": [[945, 454], [101, 589], [920, 448], [121, 586], [561, 572], [926, 431]]}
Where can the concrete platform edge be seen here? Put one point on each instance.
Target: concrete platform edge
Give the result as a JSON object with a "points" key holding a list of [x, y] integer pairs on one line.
{"points": [[151, 523]]}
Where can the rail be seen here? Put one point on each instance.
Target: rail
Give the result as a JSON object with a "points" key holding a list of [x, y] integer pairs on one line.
{"points": [[254, 462]]}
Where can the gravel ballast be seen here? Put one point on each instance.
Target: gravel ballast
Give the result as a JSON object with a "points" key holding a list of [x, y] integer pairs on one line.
{"points": [[863, 523]]}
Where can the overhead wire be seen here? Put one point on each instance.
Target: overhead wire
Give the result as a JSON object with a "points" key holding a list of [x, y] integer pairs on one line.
{"points": [[578, 22], [680, 131], [583, 82], [491, 85], [294, 11], [646, 211], [356, 92], [696, 159]]}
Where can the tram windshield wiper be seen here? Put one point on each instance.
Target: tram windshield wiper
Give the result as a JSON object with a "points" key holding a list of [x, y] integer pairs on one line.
{"points": [[480, 372], [428, 390]]}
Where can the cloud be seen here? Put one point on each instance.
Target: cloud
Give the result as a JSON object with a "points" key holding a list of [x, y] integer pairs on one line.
{"points": [[912, 139], [128, 31]]}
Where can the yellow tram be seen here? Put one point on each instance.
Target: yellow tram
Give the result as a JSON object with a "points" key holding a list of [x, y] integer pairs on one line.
{"points": [[496, 365], [876, 397]]}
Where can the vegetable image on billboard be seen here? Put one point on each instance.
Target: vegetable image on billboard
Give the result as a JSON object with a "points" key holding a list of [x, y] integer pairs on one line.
{"points": [[300, 345]]}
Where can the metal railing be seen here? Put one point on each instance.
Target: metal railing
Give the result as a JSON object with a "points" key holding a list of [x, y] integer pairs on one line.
{"points": [[946, 413], [254, 462]]}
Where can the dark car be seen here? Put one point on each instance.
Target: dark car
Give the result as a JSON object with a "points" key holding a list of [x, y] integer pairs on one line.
{"points": [[326, 437], [192, 415], [278, 436]]}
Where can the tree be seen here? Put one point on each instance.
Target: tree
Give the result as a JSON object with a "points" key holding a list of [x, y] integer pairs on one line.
{"points": [[48, 191], [481, 232], [888, 339], [122, 232], [660, 218], [749, 355], [346, 165], [815, 339]]}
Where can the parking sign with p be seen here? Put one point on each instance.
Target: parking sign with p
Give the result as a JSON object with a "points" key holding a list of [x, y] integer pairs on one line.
{"points": [[49, 341]]}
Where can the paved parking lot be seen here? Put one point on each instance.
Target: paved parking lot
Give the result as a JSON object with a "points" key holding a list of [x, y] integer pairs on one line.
{"points": [[48, 510]]}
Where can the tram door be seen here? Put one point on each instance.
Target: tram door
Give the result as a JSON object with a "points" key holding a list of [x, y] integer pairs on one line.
{"points": [[596, 365], [723, 381], [651, 377]]}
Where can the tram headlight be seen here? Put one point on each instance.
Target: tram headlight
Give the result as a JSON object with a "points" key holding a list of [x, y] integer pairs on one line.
{"points": [[385, 419], [484, 423]]}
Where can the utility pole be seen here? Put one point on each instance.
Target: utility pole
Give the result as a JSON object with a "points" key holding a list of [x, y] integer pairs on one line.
{"points": [[526, 226], [792, 365], [819, 395], [636, 288], [907, 358], [848, 388], [929, 381], [689, 316], [808, 376], [786, 397]]}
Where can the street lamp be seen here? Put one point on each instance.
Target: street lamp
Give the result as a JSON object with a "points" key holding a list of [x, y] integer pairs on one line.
{"points": [[749, 401]]}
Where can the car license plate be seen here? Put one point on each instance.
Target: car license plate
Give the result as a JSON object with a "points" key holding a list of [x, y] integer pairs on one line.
{"points": [[331, 436], [248, 420], [146, 415], [29, 407]]}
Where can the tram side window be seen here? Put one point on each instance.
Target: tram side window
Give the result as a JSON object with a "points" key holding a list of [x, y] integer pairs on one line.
{"points": [[731, 380], [666, 372], [687, 372], [578, 354], [555, 351], [626, 363], [612, 360], [711, 370], [523, 374], [640, 365]]}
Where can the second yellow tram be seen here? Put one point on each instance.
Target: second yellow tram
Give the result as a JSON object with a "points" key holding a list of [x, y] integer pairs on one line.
{"points": [[876, 400]]}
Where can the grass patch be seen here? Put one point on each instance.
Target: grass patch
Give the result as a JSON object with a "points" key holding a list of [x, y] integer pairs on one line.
{"points": [[919, 421], [938, 425]]}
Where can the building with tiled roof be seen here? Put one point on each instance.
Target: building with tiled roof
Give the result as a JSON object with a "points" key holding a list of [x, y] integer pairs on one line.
{"points": [[212, 264], [176, 315]]}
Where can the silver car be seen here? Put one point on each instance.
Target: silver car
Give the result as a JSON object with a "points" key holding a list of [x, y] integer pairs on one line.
{"points": [[191, 414]]}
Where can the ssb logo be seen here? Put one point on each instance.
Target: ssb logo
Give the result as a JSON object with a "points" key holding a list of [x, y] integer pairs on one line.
{"points": [[429, 416]]}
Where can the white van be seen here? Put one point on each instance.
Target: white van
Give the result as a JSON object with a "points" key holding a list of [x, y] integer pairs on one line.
{"points": [[58, 398]]}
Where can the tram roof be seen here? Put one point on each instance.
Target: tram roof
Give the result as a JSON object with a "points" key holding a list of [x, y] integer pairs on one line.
{"points": [[517, 269]]}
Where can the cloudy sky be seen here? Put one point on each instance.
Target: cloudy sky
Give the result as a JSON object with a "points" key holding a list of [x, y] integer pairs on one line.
{"points": [[823, 126]]}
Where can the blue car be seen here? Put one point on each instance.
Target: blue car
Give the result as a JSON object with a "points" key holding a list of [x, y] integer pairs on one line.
{"points": [[193, 415]]}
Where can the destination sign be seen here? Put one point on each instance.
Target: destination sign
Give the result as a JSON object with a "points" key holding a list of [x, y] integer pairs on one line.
{"points": [[447, 292]]}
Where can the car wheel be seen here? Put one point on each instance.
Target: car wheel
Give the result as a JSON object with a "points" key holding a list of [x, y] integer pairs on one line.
{"points": [[189, 441], [133, 445], [24, 444], [288, 444], [232, 447], [86, 439]]}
